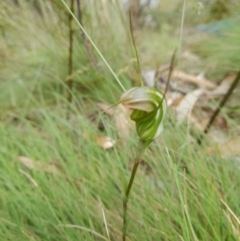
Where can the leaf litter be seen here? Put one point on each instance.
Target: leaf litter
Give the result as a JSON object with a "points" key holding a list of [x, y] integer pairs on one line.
{"points": [[120, 116], [51, 167]]}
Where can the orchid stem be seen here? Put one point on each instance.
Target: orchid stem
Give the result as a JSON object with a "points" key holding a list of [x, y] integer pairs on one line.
{"points": [[141, 148], [125, 200]]}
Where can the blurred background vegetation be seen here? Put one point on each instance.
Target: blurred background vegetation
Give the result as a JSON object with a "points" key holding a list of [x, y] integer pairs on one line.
{"points": [[34, 41], [52, 170]]}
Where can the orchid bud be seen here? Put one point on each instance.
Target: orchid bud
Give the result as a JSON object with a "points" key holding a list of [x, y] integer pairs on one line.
{"points": [[149, 109]]}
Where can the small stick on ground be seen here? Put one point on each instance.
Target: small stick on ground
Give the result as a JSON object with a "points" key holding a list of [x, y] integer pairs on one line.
{"points": [[70, 56], [86, 42], [220, 106]]}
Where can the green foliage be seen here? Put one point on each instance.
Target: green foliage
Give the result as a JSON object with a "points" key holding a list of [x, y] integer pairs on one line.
{"points": [[179, 187], [177, 194], [222, 51]]}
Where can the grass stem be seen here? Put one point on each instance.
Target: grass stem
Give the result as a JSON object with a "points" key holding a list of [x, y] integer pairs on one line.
{"points": [[70, 55], [181, 30], [135, 49], [93, 44], [85, 40]]}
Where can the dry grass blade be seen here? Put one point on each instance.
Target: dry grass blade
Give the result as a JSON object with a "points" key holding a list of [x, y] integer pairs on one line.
{"points": [[105, 223], [172, 65], [86, 43], [233, 219], [231, 212], [29, 177]]}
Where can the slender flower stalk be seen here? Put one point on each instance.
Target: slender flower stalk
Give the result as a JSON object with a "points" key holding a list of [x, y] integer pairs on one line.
{"points": [[141, 148], [149, 109]]}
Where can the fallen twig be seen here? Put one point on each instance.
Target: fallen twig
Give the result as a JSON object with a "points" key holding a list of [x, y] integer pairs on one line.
{"points": [[218, 109], [202, 83]]}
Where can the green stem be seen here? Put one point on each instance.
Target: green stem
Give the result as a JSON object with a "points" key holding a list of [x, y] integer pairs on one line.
{"points": [[141, 148], [125, 200], [181, 30], [135, 48]]}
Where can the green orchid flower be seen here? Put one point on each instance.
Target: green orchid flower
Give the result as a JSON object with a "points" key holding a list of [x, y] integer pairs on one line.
{"points": [[149, 109]]}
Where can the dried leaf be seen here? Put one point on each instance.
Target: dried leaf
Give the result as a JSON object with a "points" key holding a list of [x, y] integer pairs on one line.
{"points": [[185, 106], [105, 142], [27, 162], [50, 167], [191, 56], [122, 121], [227, 149], [200, 82], [120, 115], [149, 77], [173, 98], [218, 135], [106, 108], [162, 69], [223, 88], [199, 124]]}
